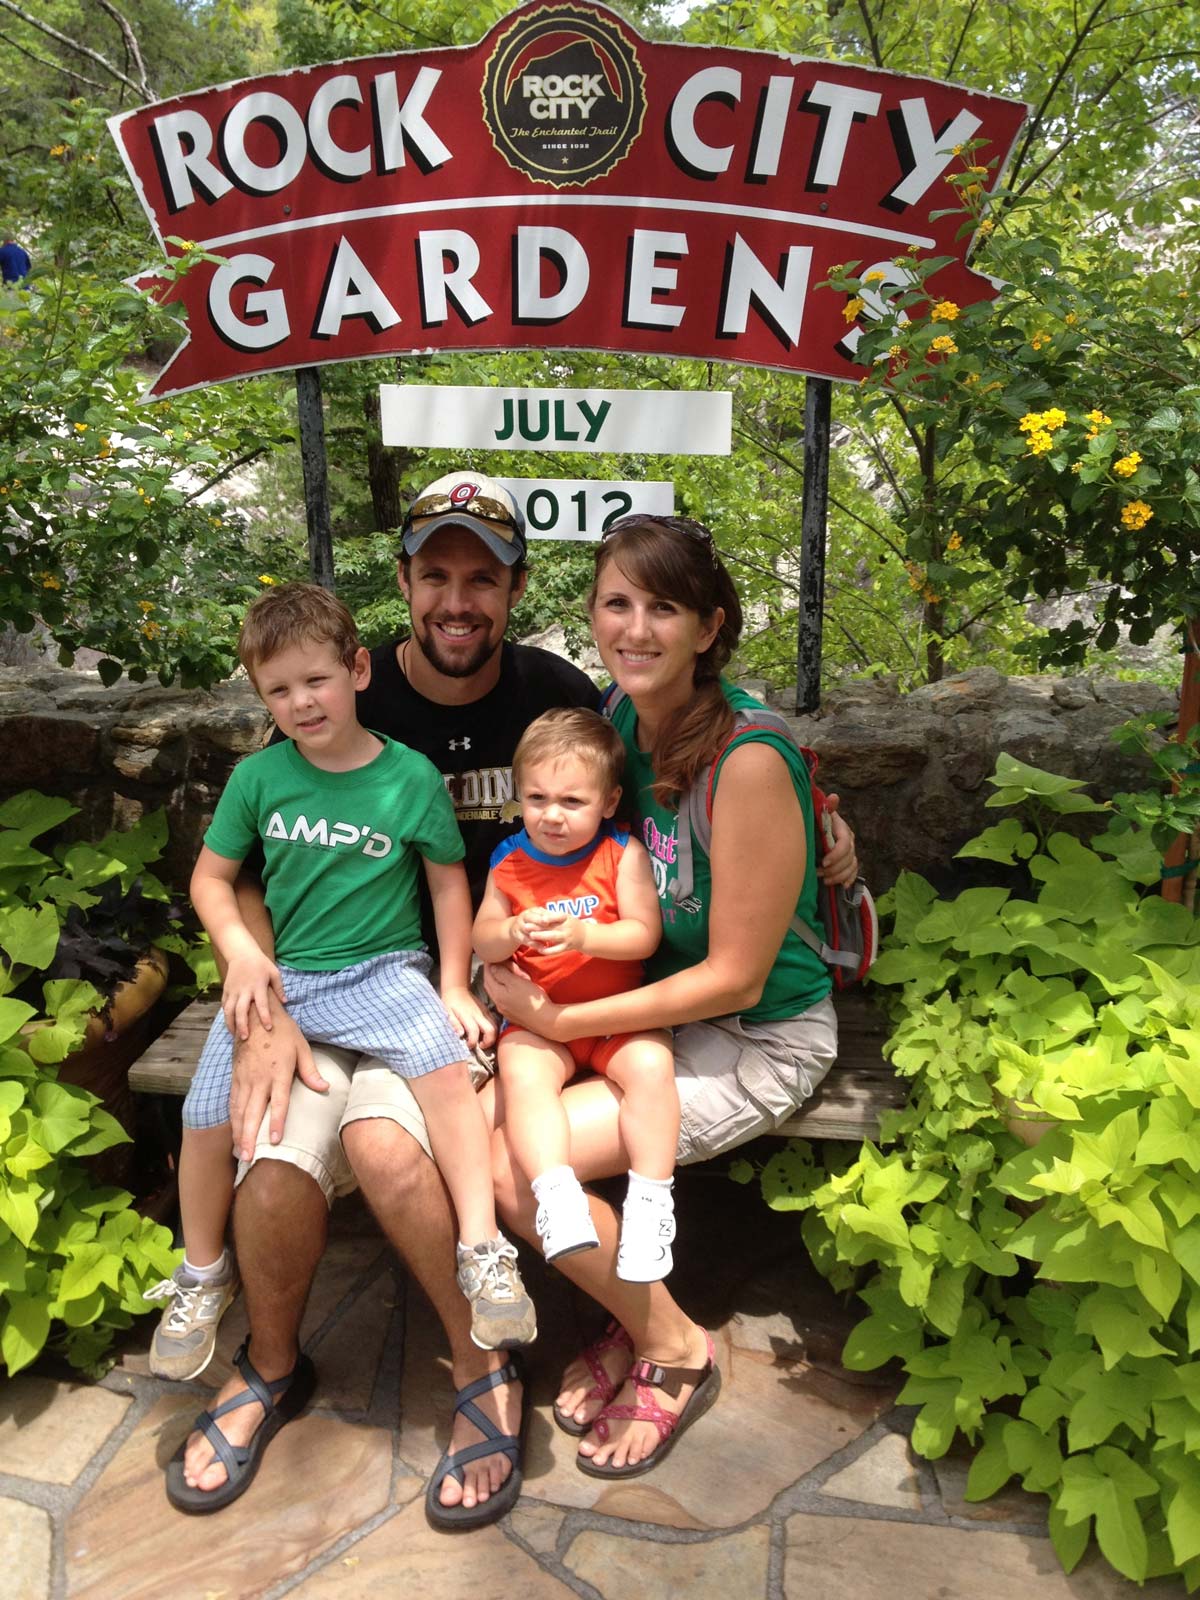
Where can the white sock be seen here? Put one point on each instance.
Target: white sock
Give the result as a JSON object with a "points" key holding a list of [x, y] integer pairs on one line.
{"points": [[215, 1269], [553, 1178], [469, 1249], [656, 1190]]}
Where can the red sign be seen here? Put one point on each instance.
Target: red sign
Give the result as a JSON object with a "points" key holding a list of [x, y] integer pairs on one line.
{"points": [[563, 184]]}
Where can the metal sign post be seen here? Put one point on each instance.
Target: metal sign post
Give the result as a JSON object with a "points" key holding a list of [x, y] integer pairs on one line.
{"points": [[316, 476], [818, 394]]}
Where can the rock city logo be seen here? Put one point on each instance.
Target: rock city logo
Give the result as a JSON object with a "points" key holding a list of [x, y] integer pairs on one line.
{"points": [[564, 95]]}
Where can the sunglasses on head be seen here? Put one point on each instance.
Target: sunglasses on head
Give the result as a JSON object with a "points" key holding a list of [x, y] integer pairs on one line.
{"points": [[688, 526]]}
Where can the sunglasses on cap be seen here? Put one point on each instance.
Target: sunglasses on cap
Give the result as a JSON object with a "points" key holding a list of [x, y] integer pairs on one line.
{"points": [[480, 505]]}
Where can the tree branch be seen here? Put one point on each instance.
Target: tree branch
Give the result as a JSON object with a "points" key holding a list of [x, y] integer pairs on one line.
{"points": [[226, 472], [967, 20], [1064, 66], [55, 66], [72, 44], [872, 36], [131, 46], [877, 533]]}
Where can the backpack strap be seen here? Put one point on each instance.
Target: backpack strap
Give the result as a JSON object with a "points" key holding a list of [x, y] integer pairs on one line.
{"points": [[610, 699], [699, 803]]}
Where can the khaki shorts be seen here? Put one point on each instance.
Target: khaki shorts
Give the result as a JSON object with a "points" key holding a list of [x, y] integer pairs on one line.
{"points": [[359, 1087], [735, 1079], [739, 1079]]}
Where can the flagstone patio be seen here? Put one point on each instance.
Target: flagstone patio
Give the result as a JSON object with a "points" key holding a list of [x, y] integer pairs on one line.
{"points": [[799, 1485]]}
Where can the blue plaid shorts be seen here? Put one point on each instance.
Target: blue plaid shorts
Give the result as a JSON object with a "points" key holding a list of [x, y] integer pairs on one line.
{"points": [[383, 1007]]}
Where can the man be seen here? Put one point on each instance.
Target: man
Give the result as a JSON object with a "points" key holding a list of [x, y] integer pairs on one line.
{"points": [[455, 690], [459, 693]]}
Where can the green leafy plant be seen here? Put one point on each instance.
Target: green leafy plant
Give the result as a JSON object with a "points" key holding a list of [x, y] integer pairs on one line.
{"points": [[75, 1257], [1026, 1235]]}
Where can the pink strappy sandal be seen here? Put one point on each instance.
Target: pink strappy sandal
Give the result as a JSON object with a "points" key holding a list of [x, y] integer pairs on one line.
{"points": [[603, 1388], [646, 1376]]}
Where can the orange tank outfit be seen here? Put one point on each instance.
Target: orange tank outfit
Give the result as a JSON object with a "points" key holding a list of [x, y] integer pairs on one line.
{"points": [[581, 884]]}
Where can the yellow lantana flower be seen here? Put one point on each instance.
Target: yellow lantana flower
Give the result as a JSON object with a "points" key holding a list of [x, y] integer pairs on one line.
{"points": [[851, 309], [944, 345], [1127, 465], [944, 311], [1136, 514]]}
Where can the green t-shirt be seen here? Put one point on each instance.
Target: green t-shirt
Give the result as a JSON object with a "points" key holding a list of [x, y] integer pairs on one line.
{"points": [[341, 849], [799, 978]]}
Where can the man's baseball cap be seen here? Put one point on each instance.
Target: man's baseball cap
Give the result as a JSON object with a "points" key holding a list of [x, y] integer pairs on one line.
{"points": [[467, 500]]}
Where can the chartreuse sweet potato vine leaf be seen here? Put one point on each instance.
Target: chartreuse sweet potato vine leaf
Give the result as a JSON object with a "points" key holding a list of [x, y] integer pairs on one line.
{"points": [[1026, 1236]]}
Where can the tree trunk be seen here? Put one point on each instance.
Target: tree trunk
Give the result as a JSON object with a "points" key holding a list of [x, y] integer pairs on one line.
{"points": [[935, 662], [383, 470]]}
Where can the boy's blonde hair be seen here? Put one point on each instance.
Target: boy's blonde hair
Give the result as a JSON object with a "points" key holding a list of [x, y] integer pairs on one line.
{"points": [[292, 614], [572, 731]]}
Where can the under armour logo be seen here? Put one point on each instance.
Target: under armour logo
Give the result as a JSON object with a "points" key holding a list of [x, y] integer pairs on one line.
{"points": [[460, 744]]}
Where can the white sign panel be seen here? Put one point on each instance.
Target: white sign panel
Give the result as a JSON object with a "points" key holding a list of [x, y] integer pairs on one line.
{"points": [[650, 422], [571, 508]]}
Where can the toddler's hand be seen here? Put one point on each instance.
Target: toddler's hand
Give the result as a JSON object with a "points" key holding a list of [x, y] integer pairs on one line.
{"points": [[529, 923], [250, 980], [557, 933]]}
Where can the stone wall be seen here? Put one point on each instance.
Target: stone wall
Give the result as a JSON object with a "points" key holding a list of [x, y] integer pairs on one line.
{"points": [[910, 768], [123, 751]]}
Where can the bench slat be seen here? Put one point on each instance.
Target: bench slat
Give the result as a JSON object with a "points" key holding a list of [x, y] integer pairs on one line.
{"points": [[167, 1066], [847, 1106]]}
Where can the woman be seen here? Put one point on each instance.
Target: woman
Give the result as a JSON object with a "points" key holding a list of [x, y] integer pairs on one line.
{"points": [[666, 618]]}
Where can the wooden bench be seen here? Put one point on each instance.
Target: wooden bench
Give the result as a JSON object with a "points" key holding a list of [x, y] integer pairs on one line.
{"points": [[846, 1106]]}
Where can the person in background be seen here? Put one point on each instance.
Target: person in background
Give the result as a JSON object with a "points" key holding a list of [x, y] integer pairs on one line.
{"points": [[14, 262]]}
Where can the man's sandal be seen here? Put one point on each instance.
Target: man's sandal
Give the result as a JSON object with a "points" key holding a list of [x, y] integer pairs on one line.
{"points": [[603, 1387], [646, 1375], [460, 1518], [281, 1400]]}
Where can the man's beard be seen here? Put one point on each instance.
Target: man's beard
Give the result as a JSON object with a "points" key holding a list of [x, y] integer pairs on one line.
{"points": [[457, 665]]}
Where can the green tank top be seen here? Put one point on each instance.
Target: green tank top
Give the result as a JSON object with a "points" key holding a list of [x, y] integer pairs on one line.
{"points": [[799, 978]]}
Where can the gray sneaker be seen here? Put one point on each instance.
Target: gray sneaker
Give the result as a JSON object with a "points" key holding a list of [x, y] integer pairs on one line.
{"points": [[186, 1337], [502, 1314]]}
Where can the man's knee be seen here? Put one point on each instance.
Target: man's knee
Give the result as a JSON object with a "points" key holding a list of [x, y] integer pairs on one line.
{"points": [[388, 1162], [273, 1189]]}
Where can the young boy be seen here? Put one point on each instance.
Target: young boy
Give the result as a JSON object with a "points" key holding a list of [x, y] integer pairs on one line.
{"points": [[344, 817], [573, 898]]}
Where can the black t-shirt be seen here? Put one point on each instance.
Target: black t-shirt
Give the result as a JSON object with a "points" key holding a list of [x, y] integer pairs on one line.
{"points": [[472, 746]]}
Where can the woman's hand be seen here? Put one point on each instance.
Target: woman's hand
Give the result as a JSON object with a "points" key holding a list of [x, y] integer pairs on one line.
{"points": [[840, 862], [520, 999]]}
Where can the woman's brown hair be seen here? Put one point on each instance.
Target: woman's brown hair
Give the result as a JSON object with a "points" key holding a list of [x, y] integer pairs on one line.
{"points": [[675, 557]]}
